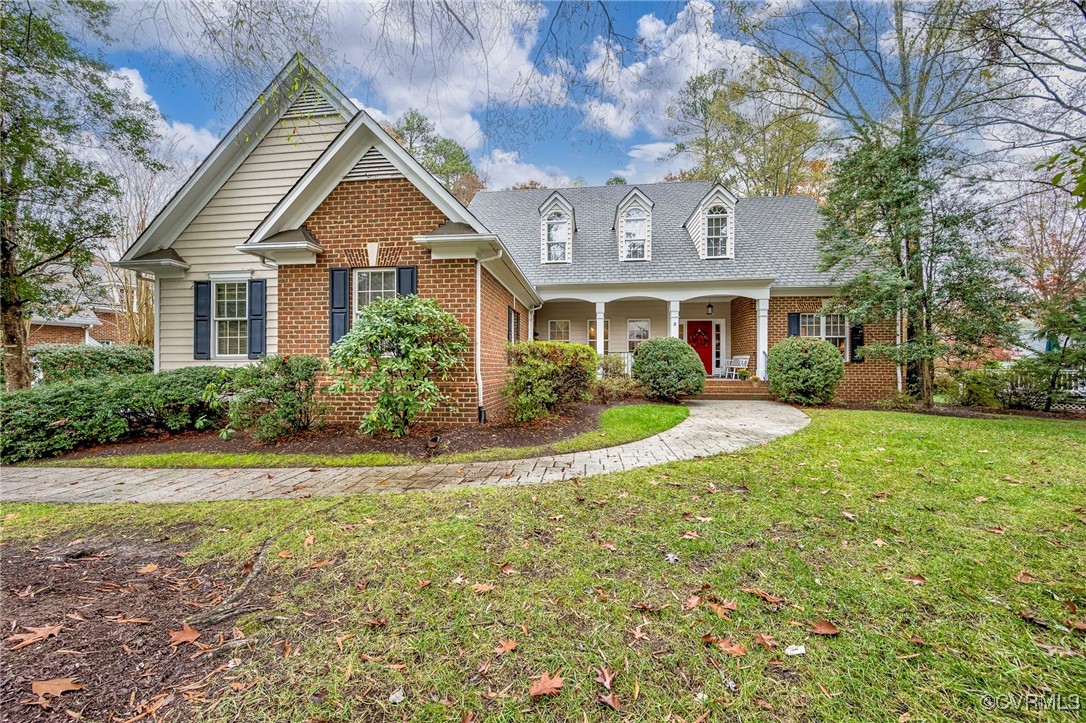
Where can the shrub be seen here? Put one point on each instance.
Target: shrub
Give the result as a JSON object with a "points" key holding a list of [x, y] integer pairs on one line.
{"points": [[51, 419], [976, 387], [614, 383], [1026, 385], [545, 374], [804, 370], [67, 362], [399, 348], [275, 397], [668, 369]]}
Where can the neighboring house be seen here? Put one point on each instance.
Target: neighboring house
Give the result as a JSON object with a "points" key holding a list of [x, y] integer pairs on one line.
{"points": [[76, 328], [308, 209]]}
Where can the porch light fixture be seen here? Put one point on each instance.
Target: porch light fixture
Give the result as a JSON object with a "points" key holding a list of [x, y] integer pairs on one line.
{"points": [[708, 309]]}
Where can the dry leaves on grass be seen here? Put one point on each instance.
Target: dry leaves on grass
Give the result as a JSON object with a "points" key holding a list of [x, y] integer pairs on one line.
{"points": [[1024, 578], [771, 599], [823, 627], [767, 640], [505, 646], [36, 635], [915, 579], [547, 685], [482, 587]]}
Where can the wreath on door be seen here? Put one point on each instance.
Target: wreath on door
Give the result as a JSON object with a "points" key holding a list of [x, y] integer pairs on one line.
{"points": [[700, 338]]}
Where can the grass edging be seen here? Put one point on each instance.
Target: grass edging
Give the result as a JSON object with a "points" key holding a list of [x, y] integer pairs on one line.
{"points": [[618, 425]]}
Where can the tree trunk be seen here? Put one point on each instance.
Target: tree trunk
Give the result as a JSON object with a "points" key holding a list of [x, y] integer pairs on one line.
{"points": [[16, 359]]}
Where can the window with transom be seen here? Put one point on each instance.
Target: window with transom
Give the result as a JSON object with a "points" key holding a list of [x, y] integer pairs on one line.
{"points": [[716, 232]]}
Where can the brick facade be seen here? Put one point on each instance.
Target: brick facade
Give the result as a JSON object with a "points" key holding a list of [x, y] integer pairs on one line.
{"points": [[391, 212], [866, 381], [112, 328], [55, 334], [744, 329]]}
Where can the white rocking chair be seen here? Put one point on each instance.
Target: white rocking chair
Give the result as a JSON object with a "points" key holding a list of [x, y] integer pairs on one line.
{"points": [[732, 367]]}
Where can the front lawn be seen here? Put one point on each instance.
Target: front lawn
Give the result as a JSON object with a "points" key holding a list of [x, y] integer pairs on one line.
{"points": [[949, 553], [617, 425]]}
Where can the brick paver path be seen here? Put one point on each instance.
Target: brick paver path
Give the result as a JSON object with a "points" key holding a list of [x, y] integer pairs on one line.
{"points": [[711, 428]]}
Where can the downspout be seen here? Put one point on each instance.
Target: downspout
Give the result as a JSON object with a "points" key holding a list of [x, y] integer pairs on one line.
{"points": [[898, 366], [478, 330]]}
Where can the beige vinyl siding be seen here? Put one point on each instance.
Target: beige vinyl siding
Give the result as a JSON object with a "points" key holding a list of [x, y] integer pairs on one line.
{"points": [[270, 170]]}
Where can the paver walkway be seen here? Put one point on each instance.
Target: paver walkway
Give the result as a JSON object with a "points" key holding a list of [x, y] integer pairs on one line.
{"points": [[711, 428]]}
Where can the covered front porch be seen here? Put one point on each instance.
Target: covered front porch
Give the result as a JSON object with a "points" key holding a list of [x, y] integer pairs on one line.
{"points": [[720, 323]]}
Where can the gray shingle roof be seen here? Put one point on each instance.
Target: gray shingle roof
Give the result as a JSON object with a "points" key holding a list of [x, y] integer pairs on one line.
{"points": [[774, 237]]}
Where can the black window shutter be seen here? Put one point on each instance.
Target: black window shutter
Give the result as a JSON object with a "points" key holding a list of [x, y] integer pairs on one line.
{"points": [[855, 341], [339, 303], [258, 317], [201, 320], [407, 280], [793, 324]]}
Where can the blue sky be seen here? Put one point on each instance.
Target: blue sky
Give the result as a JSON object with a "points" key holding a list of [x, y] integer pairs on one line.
{"points": [[610, 119]]}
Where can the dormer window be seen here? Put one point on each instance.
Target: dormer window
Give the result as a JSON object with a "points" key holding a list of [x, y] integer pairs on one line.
{"points": [[635, 227], [716, 232], [556, 237]]}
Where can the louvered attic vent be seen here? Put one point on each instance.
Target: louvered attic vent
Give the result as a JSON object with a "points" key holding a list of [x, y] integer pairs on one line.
{"points": [[310, 103], [372, 165]]}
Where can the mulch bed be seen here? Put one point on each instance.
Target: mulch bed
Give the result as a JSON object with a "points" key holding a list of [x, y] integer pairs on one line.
{"points": [[341, 440], [950, 410], [116, 602]]}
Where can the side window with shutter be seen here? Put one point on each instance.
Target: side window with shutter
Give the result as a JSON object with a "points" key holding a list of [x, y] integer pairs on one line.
{"points": [[793, 324], [855, 341], [407, 280], [201, 320], [258, 318], [339, 303]]}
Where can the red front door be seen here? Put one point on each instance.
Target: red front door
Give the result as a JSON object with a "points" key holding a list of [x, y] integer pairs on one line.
{"points": [[699, 334]]}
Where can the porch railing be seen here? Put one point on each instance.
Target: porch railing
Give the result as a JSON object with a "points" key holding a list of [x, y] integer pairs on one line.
{"points": [[627, 358]]}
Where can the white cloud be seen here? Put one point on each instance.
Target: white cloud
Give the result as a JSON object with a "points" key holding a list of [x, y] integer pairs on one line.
{"points": [[187, 141], [635, 95], [504, 168], [650, 162]]}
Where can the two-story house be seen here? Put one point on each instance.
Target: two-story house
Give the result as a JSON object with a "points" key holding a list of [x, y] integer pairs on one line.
{"points": [[308, 209]]}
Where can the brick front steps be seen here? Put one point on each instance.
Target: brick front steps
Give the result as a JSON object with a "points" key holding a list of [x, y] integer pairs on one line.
{"points": [[730, 389]]}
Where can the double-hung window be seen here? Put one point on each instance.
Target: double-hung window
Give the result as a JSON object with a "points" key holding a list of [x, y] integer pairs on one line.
{"points": [[557, 237], [716, 232], [829, 327], [372, 285], [606, 334], [231, 318], [635, 227], [513, 322], [558, 330], [637, 331]]}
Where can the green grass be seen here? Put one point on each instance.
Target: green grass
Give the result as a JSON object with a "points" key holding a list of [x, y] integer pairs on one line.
{"points": [[618, 425], [778, 522]]}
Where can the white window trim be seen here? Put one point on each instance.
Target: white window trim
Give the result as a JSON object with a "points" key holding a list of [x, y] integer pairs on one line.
{"points": [[228, 278], [729, 216], [847, 353], [550, 329], [544, 224], [622, 248], [648, 323], [354, 285], [606, 334]]}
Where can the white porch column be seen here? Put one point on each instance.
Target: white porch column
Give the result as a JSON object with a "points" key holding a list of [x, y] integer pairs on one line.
{"points": [[673, 319], [531, 324], [600, 321], [762, 336]]}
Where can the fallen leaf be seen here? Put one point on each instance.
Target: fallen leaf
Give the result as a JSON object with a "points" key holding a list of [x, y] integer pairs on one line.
{"points": [[611, 701], [146, 569], [308, 541], [507, 569], [692, 602], [423, 584], [505, 646], [980, 499], [823, 627], [915, 579], [879, 542], [286, 553], [763, 594], [396, 696], [320, 563], [186, 634], [36, 635], [1024, 577], [605, 676], [767, 640], [1057, 651], [608, 545], [546, 685], [639, 634], [733, 649], [1078, 625], [482, 587], [720, 610], [54, 687], [848, 515], [996, 530], [691, 535]]}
